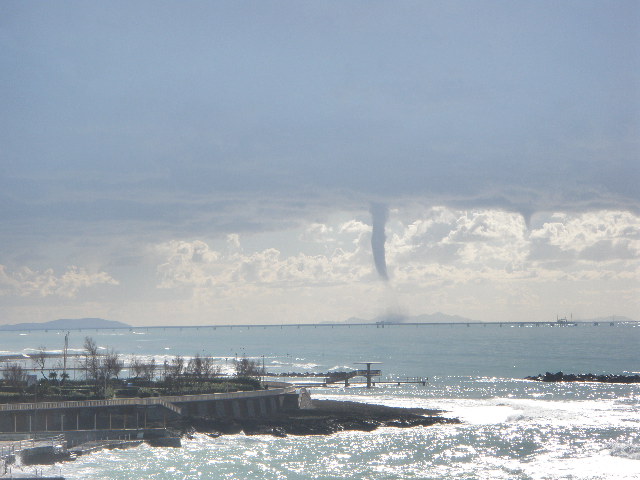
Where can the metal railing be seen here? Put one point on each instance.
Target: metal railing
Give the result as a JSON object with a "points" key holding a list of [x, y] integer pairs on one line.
{"points": [[19, 445]]}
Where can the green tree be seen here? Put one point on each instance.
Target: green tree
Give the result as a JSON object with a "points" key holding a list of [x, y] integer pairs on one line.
{"points": [[246, 367], [39, 359], [15, 375]]}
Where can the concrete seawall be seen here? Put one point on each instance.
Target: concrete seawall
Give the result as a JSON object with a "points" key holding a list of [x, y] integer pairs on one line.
{"points": [[140, 413], [27, 429]]}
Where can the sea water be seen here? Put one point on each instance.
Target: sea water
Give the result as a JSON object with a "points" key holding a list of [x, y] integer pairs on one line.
{"points": [[511, 428]]}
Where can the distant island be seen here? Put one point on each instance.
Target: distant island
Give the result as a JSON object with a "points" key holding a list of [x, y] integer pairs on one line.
{"points": [[67, 323], [437, 317]]}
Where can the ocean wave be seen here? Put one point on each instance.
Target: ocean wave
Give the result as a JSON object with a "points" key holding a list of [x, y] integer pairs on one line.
{"points": [[625, 450], [339, 368], [517, 418], [305, 366], [571, 466]]}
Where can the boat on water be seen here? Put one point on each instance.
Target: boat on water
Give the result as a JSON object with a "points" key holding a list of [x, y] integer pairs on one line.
{"points": [[564, 322]]}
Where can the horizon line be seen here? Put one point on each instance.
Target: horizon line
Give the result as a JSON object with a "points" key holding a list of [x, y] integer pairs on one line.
{"points": [[298, 325]]}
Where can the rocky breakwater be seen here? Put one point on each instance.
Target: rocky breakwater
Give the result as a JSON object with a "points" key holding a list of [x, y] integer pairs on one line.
{"points": [[322, 417], [584, 377]]}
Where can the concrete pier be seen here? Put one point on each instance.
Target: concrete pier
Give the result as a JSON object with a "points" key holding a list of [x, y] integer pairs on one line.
{"points": [[47, 432], [137, 413]]}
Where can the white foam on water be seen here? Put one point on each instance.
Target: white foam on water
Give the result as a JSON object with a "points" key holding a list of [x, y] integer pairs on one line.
{"points": [[626, 449], [304, 366], [622, 412], [601, 465], [340, 368], [484, 414]]}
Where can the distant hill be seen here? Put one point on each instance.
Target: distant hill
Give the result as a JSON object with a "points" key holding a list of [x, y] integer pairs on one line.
{"points": [[353, 320], [398, 318], [440, 317], [67, 324], [612, 318], [437, 317]]}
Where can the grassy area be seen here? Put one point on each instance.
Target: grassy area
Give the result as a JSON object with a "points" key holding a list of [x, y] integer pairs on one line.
{"points": [[73, 390]]}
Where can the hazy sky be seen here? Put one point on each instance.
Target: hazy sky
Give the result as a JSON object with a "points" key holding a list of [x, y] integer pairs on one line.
{"points": [[207, 162]]}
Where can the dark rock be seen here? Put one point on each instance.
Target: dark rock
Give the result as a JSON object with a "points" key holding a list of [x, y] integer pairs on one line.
{"points": [[173, 442], [215, 426], [585, 377], [323, 417]]}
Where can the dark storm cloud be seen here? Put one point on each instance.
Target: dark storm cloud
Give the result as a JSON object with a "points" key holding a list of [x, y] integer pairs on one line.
{"points": [[173, 117]]}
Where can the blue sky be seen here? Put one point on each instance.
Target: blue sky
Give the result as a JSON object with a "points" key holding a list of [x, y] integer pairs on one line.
{"points": [[218, 160]]}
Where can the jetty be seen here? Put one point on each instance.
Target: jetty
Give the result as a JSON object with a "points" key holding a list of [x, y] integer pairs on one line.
{"points": [[372, 377]]}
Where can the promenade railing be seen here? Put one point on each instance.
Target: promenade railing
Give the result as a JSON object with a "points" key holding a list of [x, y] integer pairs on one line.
{"points": [[164, 401]]}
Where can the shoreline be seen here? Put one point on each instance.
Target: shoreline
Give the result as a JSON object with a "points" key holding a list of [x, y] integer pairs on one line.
{"points": [[321, 417], [304, 417]]}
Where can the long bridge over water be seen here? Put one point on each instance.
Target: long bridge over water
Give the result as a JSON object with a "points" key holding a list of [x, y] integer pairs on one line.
{"points": [[528, 323]]}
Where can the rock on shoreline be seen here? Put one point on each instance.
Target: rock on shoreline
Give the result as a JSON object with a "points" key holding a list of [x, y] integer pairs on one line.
{"points": [[324, 417], [585, 377]]}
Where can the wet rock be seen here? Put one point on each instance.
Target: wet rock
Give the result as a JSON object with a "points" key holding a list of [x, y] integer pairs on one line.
{"points": [[584, 377], [324, 417]]}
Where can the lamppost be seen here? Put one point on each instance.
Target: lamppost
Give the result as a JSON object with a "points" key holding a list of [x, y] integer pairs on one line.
{"points": [[35, 411]]}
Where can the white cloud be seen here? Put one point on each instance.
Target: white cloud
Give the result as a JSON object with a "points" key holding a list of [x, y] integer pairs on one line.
{"points": [[187, 263], [233, 242], [318, 232], [194, 265], [591, 235], [442, 249], [475, 244], [484, 264], [354, 226], [26, 282]]}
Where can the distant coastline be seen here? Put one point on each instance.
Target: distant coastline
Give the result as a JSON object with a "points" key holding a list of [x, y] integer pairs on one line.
{"points": [[379, 322]]}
